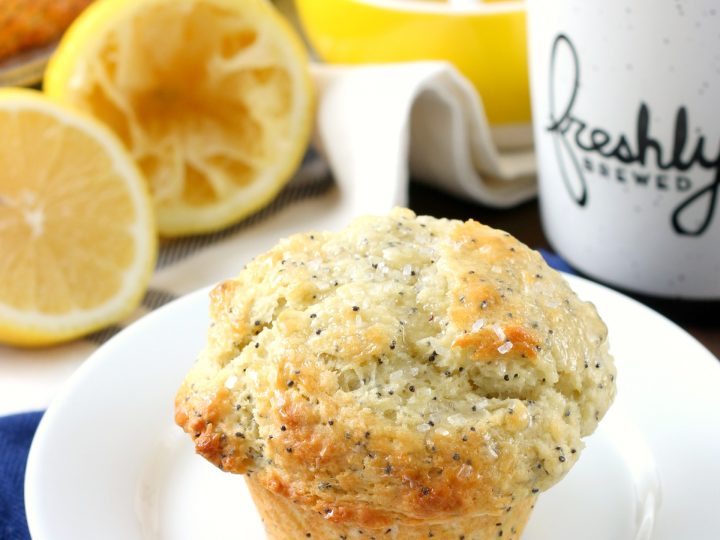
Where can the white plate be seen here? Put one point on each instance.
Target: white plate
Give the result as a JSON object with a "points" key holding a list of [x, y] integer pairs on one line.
{"points": [[108, 462]]}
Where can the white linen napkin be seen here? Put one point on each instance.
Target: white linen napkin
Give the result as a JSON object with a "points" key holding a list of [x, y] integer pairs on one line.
{"points": [[377, 122], [375, 126]]}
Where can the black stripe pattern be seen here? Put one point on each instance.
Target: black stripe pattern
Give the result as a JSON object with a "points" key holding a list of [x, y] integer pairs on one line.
{"points": [[155, 298], [101, 336]]}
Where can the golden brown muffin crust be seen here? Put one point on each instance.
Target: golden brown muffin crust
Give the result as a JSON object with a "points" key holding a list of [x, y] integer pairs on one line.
{"points": [[403, 369], [285, 520], [25, 24]]}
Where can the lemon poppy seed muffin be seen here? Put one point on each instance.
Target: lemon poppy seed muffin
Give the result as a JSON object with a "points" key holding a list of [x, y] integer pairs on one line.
{"points": [[26, 24], [406, 377]]}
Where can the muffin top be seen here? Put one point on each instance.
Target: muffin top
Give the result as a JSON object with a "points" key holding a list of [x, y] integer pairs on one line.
{"points": [[403, 368]]}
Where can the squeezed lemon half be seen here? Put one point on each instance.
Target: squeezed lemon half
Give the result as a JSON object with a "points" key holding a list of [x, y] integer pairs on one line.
{"points": [[213, 99]]}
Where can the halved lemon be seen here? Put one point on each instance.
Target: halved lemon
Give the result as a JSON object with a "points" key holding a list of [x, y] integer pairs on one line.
{"points": [[213, 98], [77, 236]]}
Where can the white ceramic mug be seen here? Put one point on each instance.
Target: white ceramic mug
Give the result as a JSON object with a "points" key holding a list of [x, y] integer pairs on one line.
{"points": [[626, 111]]}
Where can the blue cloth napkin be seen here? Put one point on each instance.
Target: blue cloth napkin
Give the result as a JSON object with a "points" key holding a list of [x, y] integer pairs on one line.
{"points": [[557, 262], [16, 433]]}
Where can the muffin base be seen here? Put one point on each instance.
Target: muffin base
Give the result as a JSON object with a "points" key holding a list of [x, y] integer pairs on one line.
{"points": [[286, 520]]}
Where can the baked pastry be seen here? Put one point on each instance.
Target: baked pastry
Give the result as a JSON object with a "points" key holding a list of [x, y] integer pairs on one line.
{"points": [[26, 24], [406, 377]]}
